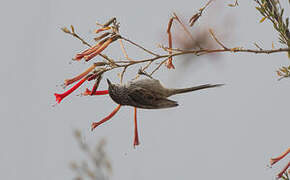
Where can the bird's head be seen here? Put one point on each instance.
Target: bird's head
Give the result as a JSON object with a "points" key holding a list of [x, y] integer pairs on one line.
{"points": [[115, 92], [112, 87]]}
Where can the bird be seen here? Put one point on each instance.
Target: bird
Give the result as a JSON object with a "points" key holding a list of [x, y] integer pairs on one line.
{"points": [[148, 93]]}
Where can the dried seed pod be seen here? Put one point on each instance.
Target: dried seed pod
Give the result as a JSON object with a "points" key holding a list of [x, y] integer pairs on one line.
{"points": [[102, 36], [194, 18], [110, 22]]}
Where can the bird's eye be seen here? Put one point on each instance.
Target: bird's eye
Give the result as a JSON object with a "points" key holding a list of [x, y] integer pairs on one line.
{"points": [[150, 97]]}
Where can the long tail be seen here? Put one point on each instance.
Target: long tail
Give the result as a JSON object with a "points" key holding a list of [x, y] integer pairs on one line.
{"points": [[185, 90]]}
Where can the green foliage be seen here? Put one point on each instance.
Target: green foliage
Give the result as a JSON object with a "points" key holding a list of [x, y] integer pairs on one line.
{"points": [[273, 11]]}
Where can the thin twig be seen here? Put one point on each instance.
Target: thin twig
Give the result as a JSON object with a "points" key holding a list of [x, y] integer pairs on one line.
{"points": [[205, 51], [122, 74], [147, 65], [170, 49], [207, 4], [169, 62], [258, 46], [160, 64], [123, 50], [139, 46], [81, 39], [215, 38], [87, 44], [143, 69], [183, 26]]}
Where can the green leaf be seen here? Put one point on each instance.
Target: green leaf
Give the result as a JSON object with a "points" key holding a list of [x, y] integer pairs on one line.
{"points": [[263, 19], [260, 9], [282, 11]]}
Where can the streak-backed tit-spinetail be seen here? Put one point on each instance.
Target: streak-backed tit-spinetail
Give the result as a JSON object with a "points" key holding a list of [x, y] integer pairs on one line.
{"points": [[148, 93]]}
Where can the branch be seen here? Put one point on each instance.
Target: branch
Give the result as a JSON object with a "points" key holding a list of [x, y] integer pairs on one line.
{"points": [[139, 46], [123, 63], [74, 34], [196, 16], [215, 38], [123, 50], [111, 64]]}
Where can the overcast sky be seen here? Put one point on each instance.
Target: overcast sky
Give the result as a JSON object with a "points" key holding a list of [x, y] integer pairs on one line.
{"points": [[223, 133]]}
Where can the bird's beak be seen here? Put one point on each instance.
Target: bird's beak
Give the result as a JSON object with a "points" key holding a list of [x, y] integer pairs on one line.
{"points": [[109, 82]]}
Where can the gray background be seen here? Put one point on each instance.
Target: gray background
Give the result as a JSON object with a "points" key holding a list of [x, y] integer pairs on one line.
{"points": [[224, 133]]}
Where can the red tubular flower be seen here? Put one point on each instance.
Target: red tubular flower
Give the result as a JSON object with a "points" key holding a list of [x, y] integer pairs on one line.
{"points": [[136, 138], [79, 56], [96, 124], [59, 97], [169, 64], [275, 160], [89, 93], [72, 80], [99, 50], [283, 170]]}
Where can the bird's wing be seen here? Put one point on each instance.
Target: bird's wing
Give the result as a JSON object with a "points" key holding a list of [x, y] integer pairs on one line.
{"points": [[144, 98], [148, 84]]}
